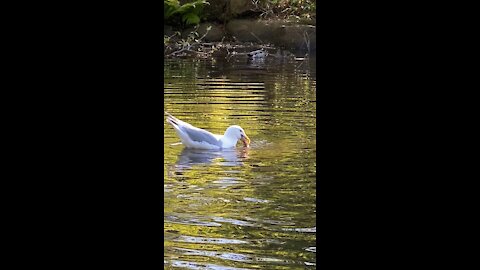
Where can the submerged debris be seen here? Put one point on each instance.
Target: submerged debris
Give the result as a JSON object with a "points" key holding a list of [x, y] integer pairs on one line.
{"points": [[193, 47]]}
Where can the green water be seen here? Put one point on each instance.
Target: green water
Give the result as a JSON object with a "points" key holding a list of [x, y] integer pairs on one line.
{"points": [[246, 208]]}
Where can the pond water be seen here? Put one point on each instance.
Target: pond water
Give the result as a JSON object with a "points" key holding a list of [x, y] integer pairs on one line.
{"points": [[244, 208]]}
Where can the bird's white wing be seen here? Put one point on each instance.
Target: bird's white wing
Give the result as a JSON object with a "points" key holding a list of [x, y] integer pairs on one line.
{"points": [[195, 134], [200, 135]]}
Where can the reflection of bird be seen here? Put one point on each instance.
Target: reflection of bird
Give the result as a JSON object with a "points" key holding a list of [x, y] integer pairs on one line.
{"points": [[190, 156], [193, 137]]}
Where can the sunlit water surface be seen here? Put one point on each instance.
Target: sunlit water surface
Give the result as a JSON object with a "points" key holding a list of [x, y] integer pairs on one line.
{"points": [[245, 208]]}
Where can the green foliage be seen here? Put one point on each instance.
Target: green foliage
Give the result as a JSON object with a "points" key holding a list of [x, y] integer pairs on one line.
{"points": [[187, 14]]}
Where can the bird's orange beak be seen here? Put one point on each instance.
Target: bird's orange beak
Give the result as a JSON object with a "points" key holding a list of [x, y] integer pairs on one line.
{"points": [[245, 140]]}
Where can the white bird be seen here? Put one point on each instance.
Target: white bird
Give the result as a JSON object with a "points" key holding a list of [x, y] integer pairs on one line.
{"points": [[193, 137]]}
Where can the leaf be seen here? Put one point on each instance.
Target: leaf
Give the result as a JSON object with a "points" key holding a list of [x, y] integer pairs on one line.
{"points": [[186, 7], [170, 9], [191, 18]]}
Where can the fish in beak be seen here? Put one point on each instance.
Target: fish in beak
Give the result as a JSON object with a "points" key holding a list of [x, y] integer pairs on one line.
{"points": [[245, 140]]}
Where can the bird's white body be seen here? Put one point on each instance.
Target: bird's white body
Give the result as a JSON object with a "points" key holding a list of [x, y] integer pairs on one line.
{"points": [[193, 137]]}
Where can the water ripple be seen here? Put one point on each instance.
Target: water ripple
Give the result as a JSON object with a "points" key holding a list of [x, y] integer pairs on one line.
{"points": [[200, 266], [233, 221], [252, 209], [228, 256], [190, 221], [193, 239]]}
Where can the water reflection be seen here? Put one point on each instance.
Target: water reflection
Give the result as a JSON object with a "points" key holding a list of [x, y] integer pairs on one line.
{"points": [[228, 157], [243, 208]]}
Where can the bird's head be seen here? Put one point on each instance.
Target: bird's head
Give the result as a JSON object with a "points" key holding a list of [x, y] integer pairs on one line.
{"points": [[238, 133]]}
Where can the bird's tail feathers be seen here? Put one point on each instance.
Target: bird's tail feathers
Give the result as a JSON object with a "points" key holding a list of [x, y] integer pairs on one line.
{"points": [[171, 116], [171, 119]]}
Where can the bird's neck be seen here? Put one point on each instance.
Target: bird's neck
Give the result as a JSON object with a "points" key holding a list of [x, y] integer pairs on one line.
{"points": [[228, 142]]}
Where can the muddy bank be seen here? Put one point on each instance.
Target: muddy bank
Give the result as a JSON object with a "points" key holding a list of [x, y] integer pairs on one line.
{"points": [[297, 38]]}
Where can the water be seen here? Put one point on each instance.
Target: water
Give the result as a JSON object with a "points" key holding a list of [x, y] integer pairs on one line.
{"points": [[245, 208]]}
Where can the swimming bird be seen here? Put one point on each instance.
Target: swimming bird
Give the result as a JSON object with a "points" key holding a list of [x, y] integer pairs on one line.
{"points": [[193, 137], [257, 54]]}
